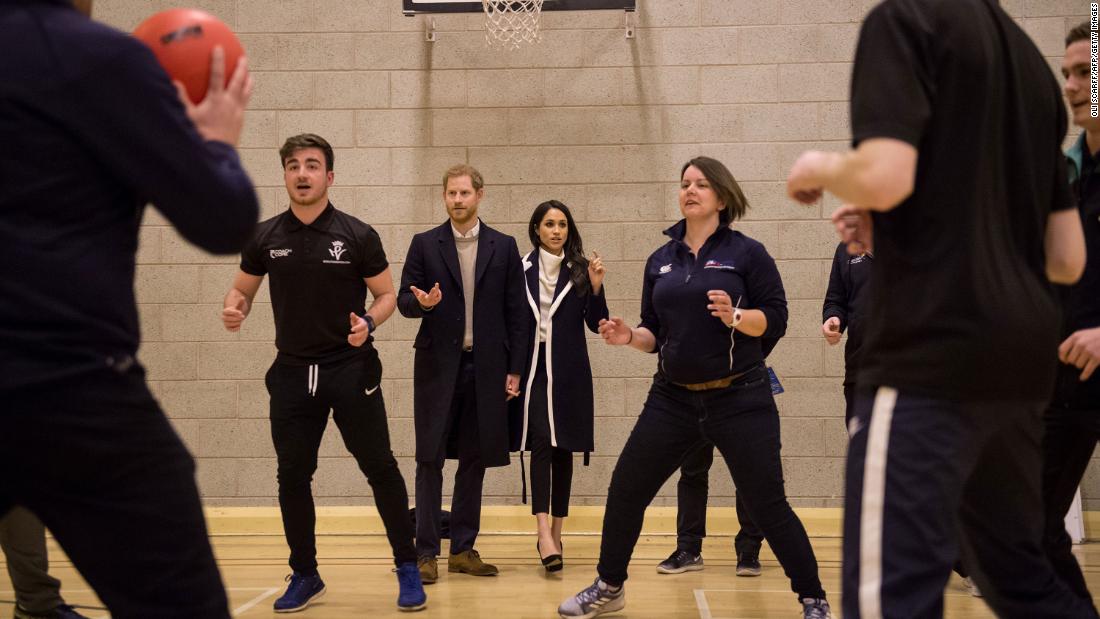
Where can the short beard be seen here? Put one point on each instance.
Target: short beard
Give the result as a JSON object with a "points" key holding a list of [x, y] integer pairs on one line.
{"points": [[323, 199]]}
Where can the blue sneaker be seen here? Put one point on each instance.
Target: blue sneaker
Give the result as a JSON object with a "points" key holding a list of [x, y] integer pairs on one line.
{"points": [[303, 591], [410, 594]]}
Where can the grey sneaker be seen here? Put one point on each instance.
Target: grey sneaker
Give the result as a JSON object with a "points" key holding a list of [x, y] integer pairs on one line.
{"points": [[816, 608], [679, 562], [748, 564], [597, 599]]}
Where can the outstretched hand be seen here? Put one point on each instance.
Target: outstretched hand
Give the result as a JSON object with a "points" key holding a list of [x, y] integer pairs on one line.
{"points": [[430, 299], [615, 332]]}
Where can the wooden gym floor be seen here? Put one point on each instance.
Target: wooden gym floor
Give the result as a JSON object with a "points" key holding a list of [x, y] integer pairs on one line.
{"points": [[356, 569]]}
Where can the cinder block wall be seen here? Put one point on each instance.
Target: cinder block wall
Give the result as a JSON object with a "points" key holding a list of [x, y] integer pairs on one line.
{"points": [[587, 117]]}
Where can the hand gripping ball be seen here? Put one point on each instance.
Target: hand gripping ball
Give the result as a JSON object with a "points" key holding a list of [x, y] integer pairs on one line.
{"points": [[183, 40]]}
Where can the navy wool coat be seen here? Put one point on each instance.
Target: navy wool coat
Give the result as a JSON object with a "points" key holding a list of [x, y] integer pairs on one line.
{"points": [[568, 371], [500, 336]]}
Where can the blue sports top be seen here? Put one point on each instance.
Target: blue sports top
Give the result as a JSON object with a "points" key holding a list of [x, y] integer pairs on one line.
{"points": [[692, 345]]}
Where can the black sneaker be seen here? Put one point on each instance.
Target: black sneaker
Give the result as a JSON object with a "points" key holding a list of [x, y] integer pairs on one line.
{"points": [[679, 562], [63, 611], [748, 564], [816, 608]]}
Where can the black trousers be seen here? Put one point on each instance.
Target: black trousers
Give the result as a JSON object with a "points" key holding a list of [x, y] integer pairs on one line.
{"points": [[551, 467], [462, 430], [929, 478], [849, 403], [1069, 439], [117, 490], [743, 423], [691, 507], [301, 397]]}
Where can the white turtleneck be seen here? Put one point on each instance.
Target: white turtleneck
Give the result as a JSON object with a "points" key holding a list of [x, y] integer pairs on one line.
{"points": [[549, 268]]}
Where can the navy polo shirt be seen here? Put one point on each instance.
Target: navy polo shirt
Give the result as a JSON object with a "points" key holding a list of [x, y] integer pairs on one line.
{"points": [[692, 345], [317, 274], [846, 299]]}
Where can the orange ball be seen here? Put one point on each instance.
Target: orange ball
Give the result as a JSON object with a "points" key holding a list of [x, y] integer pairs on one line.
{"points": [[183, 40]]}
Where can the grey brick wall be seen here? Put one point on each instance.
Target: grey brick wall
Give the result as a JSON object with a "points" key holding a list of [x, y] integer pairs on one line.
{"points": [[588, 117]]}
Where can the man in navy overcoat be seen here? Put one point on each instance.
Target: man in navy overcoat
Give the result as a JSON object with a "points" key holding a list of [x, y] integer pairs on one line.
{"points": [[464, 281]]}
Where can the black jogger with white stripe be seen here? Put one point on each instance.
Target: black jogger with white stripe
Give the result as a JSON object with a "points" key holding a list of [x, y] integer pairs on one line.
{"points": [[301, 397]]}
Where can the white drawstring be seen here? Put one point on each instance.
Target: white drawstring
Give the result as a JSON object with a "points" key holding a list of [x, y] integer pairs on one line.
{"points": [[313, 379]]}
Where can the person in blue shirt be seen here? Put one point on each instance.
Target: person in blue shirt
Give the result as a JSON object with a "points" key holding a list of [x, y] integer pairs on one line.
{"points": [[709, 297]]}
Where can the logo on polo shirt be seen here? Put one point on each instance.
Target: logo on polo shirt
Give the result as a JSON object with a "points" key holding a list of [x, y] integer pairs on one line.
{"points": [[718, 264], [336, 251], [280, 253], [666, 269]]}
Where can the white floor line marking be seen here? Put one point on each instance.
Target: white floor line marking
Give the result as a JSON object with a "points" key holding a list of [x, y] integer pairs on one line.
{"points": [[701, 604], [263, 596]]}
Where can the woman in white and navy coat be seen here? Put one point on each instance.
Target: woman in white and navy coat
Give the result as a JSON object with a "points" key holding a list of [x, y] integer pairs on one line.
{"points": [[554, 418]]}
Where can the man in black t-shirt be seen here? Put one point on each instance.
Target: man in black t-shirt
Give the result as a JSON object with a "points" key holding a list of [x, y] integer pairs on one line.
{"points": [[960, 352], [322, 262]]}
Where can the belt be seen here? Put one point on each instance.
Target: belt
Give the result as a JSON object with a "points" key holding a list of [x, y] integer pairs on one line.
{"points": [[720, 383]]}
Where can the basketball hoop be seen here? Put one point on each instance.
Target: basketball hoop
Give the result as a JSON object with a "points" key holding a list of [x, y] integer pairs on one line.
{"points": [[512, 23]]}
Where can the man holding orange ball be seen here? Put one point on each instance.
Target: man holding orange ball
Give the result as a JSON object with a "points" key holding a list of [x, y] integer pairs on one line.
{"points": [[94, 130]]}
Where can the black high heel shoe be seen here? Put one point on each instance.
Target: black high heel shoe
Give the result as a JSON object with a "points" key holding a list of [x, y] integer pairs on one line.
{"points": [[553, 563]]}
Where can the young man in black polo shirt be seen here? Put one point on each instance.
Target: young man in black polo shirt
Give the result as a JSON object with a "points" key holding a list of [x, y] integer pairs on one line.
{"points": [[959, 359], [322, 262], [1072, 421]]}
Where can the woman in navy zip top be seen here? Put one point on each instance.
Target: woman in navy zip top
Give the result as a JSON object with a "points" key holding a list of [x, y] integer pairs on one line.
{"points": [[709, 296], [555, 416]]}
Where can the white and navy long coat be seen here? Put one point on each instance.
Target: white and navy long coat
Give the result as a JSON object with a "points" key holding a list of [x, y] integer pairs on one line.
{"points": [[568, 371]]}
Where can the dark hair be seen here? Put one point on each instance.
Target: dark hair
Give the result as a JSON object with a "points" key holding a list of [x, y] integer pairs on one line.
{"points": [[1080, 32], [729, 192], [461, 169], [296, 143], [573, 252]]}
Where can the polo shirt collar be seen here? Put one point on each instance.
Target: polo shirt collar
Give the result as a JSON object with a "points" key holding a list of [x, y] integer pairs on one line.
{"points": [[677, 231], [321, 223]]}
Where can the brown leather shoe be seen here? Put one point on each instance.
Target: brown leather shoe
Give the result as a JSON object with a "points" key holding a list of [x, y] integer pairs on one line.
{"points": [[469, 562], [429, 569]]}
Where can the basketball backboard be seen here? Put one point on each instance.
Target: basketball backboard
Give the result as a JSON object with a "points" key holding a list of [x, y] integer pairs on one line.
{"points": [[413, 7]]}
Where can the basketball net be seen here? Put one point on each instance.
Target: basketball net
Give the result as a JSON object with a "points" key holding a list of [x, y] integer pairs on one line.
{"points": [[512, 23]]}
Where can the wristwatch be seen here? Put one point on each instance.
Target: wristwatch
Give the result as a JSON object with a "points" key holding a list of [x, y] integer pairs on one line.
{"points": [[736, 318], [370, 322]]}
